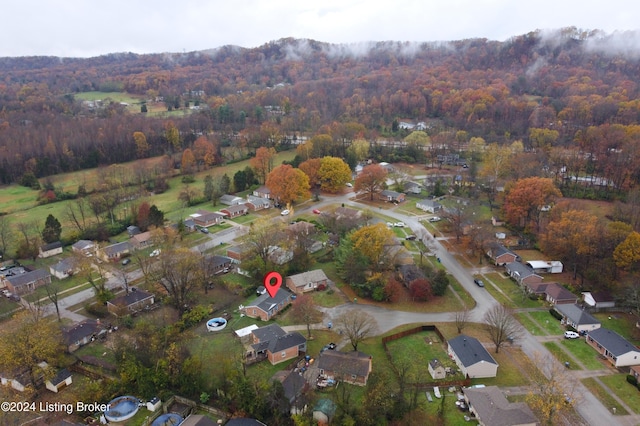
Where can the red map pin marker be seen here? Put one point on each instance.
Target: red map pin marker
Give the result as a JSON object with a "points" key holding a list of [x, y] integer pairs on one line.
{"points": [[272, 288]]}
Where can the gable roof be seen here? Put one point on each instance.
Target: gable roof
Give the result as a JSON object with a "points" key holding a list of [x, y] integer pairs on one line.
{"points": [[389, 193], [206, 215], [235, 208], [274, 339], [60, 377], [558, 292], [258, 201], [429, 203], [498, 249], [519, 270], [80, 331], [470, 351], [142, 237], [28, 277], [116, 248], [64, 265], [131, 298], [216, 261], [494, 409], [230, 199], [266, 302], [576, 314], [83, 245], [355, 362], [612, 341], [300, 280], [51, 246]]}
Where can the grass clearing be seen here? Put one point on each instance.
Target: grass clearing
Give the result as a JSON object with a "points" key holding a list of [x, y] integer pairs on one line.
{"points": [[622, 323], [585, 353], [624, 390], [530, 324], [560, 354], [550, 325], [604, 395]]}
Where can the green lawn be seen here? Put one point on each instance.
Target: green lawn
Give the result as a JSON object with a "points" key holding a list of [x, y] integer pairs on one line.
{"points": [[604, 395], [621, 323], [585, 353], [561, 355], [549, 323], [624, 390], [510, 293], [530, 324]]}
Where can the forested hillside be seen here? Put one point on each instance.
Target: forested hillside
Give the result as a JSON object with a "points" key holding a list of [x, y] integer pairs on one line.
{"points": [[569, 90]]}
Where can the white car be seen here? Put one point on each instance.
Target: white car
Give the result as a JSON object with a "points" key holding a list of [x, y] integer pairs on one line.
{"points": [[571, 335], [400, 225], [155, 253], [284, 213], [435, 219], [349, 185]]}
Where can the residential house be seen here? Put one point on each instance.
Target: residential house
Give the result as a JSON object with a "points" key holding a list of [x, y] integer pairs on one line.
{"points": [[133, 230], [412, 188], [50, 249], [17, 379], [142, 240], [598, 300], [491, 408], [84, 247], [392, 196], [545, 266], [578, 318], [263, 192], [217, 264], [115, 251], [231, 200], [276, 344], [615, 348], [350, 367], [265, 306], [294, 385], [80, 334], [307, 281], [257, 203], [300, 228], [64, 268], [206, 218], [409, 273], [501, 255], [239, 252], [429, 206], [557, 294], [189, 224], [437, 370], [235, 210], [27, 282], [522, 274], [130, 303], [60, 380], [471, 357], [279, 255]]}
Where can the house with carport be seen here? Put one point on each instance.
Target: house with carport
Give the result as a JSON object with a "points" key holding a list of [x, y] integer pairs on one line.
{"points": [[615, 348], [275, 344], [307, 281], [545, 266], [471, 357], [491, 408], [522, 274], [577, 317]]}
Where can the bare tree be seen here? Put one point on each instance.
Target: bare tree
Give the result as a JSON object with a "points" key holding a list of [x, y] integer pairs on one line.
{"points": [[553, 391], [304, 309], [53, 293], [461, 318], [501, 326], [357, 326], [77, 213], [181, 274]]}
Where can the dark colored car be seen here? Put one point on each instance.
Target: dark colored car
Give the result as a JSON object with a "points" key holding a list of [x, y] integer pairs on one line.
{"points": [[204, 230], [410, 237], [478, 282]]}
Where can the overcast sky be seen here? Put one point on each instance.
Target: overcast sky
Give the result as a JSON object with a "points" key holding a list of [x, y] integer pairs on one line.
{"points": [[85, 28]]}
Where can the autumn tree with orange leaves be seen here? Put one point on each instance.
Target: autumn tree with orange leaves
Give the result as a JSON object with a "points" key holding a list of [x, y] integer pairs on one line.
{"points": [[525, 199], [287, 184], [262, 163], [371, 180]]}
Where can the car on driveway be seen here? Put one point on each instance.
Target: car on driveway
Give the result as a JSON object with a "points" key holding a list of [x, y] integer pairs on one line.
{"points": [[284, 213], [126, 261], [204, 230], [316, 211], [571, 335], [435, 219], [399, 225], [410, 237], [478, 282]]}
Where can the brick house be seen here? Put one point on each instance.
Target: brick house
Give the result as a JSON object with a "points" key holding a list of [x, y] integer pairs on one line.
{"points": [[265, 306], [28, 281], [501, 255], [522, 274], [235, 210], [263, 192], [257, 203], [130, 303], [392, 196], [615, 348], [307, 281], [206, 218], [276, 344], [115, 251]]}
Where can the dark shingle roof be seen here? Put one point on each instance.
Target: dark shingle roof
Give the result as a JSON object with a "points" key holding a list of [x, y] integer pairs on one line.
{"points": [[612, 341], [470, 351], [494, 409], [348, 362], [576, 314], [519, 269], [266, 302], [51, 246], [116, 248], [60, 377], [28, 277], [80, 331], [273, 338], [131, 298]]}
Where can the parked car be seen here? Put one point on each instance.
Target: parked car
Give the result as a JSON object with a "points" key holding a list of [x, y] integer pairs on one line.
{"points": [[155, 253], [478, 282], [126, 261], [571, 335], [410, 237], [204, 230], [349, 184], [284, 213], [316, 211], [14, 297], [399, 225], [435, 219]]}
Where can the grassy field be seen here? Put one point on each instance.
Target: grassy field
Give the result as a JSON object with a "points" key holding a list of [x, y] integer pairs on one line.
{"points": [[530, 324], [604, 395], [507, 292], [624, 390], [622, 323]]}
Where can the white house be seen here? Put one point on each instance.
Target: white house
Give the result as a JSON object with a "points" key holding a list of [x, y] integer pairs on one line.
{"points": [[576, 317], [619, 351], [471, 357], [429, 206]]}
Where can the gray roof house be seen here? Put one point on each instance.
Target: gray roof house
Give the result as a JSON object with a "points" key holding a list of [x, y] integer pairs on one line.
{"points": [[28, 281], [522, 274], [307, 281], [115, 251], [85, 247], [471, 357], [257, 203], [350, 367], [490, 407], [615, 348], [501, 255], [276, 344], [133, 302], [231, 200], [50, 249], [64, 268], [265, 306], [430, 206], [577, 317]]}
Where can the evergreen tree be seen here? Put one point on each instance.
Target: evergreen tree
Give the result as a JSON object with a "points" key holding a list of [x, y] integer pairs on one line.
{"points": [[52, 230]]}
